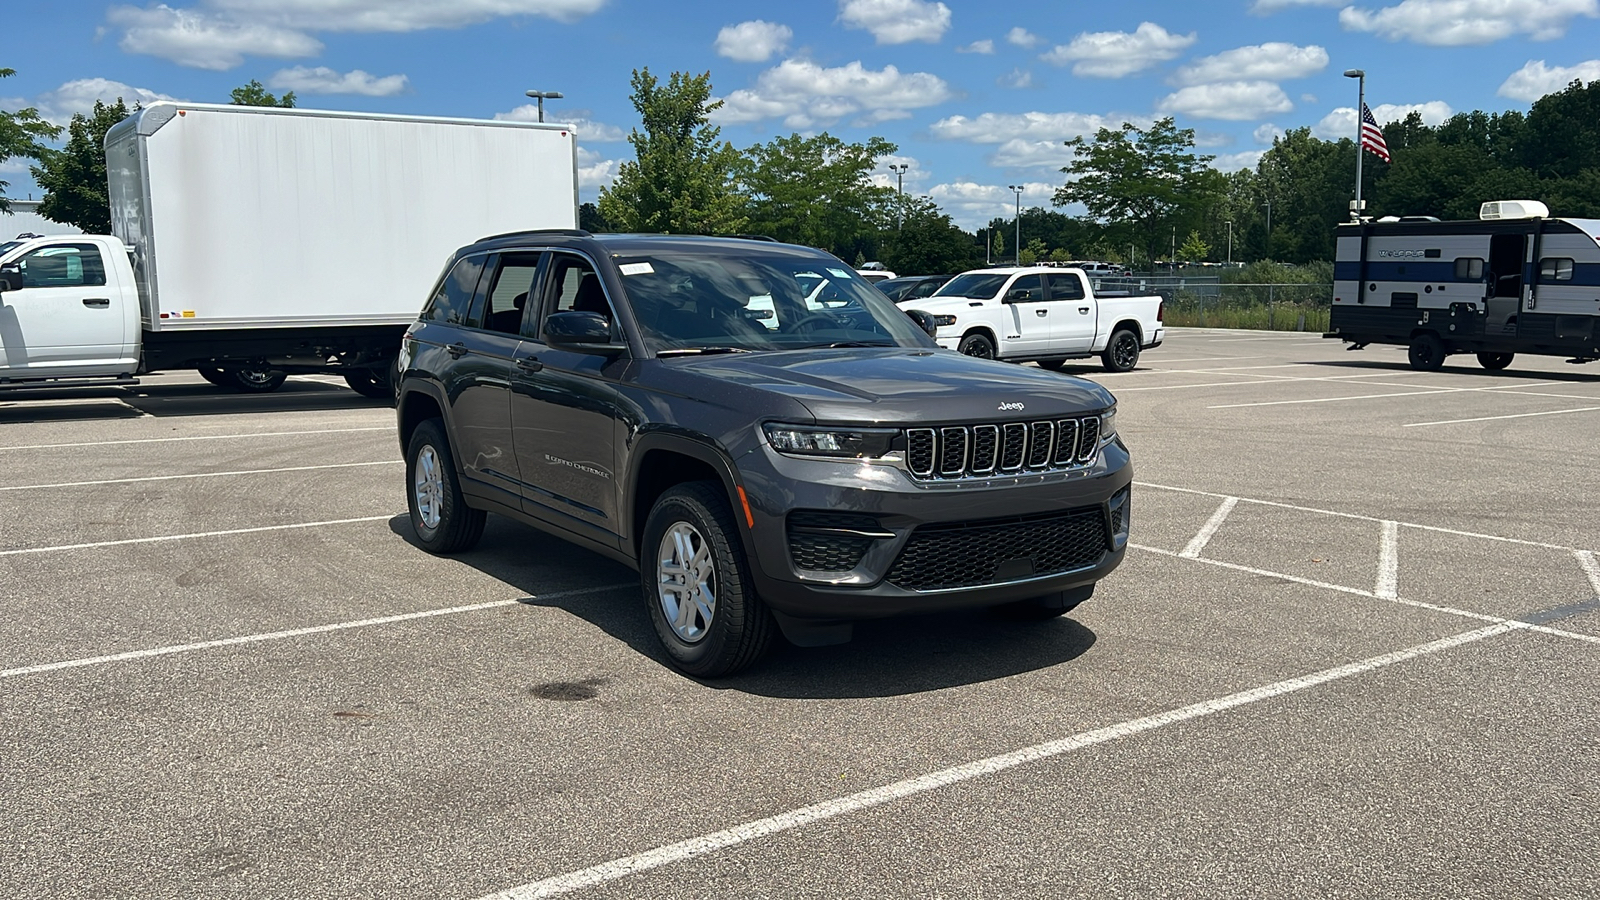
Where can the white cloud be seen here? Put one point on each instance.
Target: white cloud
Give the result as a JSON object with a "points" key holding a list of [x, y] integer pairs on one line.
{"points": [[1260, 62], [1266, 133], [972, 205], [219, 34], [1535, 79], [997, 128], [804, 94], [1233, 162], [1113, 54], [1016, 78], [79, 96], [754, 41], [1023, 38], [1453, 23], [897, 21], [323, 80], [1341, 123], [985, 46], [1022, 153], [593, 171], [587, 130], [1231, 100], [1267, 7]]}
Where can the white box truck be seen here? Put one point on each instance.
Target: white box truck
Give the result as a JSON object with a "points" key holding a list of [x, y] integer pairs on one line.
{"points": [[250, 243]]}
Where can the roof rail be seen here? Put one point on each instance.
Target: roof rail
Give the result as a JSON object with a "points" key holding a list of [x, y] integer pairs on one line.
{"points": [[751, 237], [569, 232]]}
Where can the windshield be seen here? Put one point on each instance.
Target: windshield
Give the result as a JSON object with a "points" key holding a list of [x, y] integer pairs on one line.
{"points": [[727, 301], [5, 246], [975, 285]]}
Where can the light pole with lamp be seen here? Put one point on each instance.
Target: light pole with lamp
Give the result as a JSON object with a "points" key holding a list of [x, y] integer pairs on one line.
{"points": [[1017, 189], [900, 193], [542, 96], [1358, 206]]}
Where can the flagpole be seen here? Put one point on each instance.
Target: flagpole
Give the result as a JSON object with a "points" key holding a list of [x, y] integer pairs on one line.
{"points": [[1361, 106]]}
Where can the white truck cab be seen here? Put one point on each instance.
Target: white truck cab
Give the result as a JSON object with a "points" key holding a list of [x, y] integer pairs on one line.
{"points": [[69, 308], [1042, 314]]}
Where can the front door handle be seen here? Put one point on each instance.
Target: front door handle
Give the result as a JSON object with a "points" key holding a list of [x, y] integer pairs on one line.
{"points": [[1041, 312], [456, 350], [97, 302], [530, 364], [1084, 310]]}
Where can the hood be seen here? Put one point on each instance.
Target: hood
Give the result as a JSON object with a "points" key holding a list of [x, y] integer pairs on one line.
{"points": [[906, 386]]}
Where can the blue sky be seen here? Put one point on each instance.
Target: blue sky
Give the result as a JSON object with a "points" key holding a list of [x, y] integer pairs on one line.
{"points": [[977, 95]]}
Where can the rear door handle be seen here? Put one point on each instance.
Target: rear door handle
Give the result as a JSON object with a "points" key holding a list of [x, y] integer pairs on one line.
{"points": [[98, 302], [456, 350], [530, 364]]}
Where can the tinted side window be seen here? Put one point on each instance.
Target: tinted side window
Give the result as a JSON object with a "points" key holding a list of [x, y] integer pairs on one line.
{"points": [[452, 302], [573, 286], [1065, 286], [1026, 289], [508, 292], [63, 265]]}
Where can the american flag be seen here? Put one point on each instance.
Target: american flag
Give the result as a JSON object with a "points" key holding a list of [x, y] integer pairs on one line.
{"points": [[1372, 135]]}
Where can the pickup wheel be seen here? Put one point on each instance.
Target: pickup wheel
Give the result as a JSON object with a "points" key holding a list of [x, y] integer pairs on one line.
{"points": [[1427, 352], [1122, 351], [697, 584], [440, 516], [978, 345], [256, 381], [1494, 362], [215, 376]]}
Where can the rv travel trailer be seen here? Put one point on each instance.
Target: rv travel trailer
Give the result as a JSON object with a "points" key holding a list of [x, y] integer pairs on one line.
{"points": [[1514, 281]]}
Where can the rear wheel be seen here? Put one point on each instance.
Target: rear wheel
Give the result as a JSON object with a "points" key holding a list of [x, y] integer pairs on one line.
{"points": [[978, 345], [215, 376], [1427, 352], [372, 383], [440, 516], [1122, 351], [256, 381], [1054, 365], [1494, 362], [697, 584]]}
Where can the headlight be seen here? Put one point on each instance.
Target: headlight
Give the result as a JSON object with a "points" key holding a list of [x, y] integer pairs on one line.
{"points": [[821, 440], [1108, 425], [944, 320]]}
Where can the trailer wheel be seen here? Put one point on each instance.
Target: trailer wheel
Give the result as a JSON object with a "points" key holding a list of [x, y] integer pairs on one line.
{"points": [[1427, 352], [370, 383], [256, 381], [1494, 362], [215, 376]]}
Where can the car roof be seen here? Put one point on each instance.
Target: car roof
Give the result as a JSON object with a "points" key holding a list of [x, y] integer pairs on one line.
{"points": [[643, 244]]}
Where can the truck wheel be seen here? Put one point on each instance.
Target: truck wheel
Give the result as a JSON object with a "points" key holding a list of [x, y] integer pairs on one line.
{"points": [[440, 516], [1427, 352], [1054, 365], [256, 381], [370, 383], [697, 584], [1122, 351], [977, 345], [215, 376], [1494, 362], [1049, 606]]}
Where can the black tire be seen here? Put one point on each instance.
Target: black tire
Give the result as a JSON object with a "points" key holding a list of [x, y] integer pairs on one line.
{"points": [[978, 345], [1050, 606], [1427, 352], [441, 518], [1494, 362], [1122, 351], [1054, 365], [370, 383], [255, 381], [740, 629], [215, 376]]}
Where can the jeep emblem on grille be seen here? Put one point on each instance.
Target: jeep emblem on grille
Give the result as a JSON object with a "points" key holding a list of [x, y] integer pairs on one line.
{"points": [[1009, 406]]}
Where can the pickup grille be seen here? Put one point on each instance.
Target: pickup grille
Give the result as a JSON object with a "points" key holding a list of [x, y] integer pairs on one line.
{"points": [[973, 451]]}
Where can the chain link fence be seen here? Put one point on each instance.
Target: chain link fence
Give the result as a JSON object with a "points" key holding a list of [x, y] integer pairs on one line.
{"points": [[1207, 302]]}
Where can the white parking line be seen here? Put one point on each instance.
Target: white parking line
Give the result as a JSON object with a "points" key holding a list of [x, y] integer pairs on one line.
{"points": [[1388, 561], [60, 548], [1201, 539], [1590, 568], [1548, 412], [68, 484], [1422, 393], [829, 809], [200, 437], [284, 635]]}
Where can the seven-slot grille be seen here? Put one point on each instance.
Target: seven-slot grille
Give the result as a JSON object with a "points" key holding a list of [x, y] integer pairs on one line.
{"points": [[966, 451]]}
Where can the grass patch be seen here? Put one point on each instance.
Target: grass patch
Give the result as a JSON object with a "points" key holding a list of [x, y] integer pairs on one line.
{"points": [[1280, 317]]}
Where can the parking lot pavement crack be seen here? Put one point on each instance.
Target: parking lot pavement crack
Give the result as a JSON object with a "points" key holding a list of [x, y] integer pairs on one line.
{"points": [[681, 851], [1559, 613]]}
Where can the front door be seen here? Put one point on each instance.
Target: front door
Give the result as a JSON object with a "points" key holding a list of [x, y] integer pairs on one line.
{"points": [[1072, 314], [1507, 255], [565, 408], [1027, 316], [68, 317]]}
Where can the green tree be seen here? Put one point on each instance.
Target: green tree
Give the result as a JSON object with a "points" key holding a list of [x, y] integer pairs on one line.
{"points": [[816, 191], [74, 177], [590, 220], [1193, 249], [1141, 183], [1310, 184], [255, 94], [21, 133], [999, 245], [1036, 250], [682, 178], [928, 243]]}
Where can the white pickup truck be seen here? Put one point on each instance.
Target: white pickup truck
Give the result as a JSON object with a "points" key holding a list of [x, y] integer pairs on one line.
{"points": [[1041, 314]]}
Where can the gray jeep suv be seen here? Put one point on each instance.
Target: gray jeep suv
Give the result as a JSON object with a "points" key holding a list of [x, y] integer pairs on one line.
{"points": [[762, 434]]}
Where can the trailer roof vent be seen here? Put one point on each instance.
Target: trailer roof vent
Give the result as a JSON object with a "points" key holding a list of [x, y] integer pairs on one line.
{"points": [[1513, 209]]}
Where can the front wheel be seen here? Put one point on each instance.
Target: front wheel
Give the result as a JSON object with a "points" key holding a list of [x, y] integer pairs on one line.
{"points": [[697, 584], [1494, 362], [440, 516], [256, 381], [1122, 351], [1427, 352], [977, 345]]}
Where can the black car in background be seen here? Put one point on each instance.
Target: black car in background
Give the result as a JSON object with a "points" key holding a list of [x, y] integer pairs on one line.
{"points": [[767, 439], [912, 287]]}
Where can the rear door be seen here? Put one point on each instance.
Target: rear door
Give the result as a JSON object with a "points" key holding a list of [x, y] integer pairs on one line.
{"points": [[1027, 317], [68, 317], [1073, 314]]}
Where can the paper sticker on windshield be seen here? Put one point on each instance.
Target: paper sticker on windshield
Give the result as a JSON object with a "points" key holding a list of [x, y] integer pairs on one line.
{"points": [[839, 273], [638, 268]]}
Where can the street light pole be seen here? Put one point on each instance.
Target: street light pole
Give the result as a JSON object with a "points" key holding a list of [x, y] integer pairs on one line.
{"points": [[900, 193], [1361, 104], [1230, 242], [1268, 205], [542, 96], [1017, 189]]}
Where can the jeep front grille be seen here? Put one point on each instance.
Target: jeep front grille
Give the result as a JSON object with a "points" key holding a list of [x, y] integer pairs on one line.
{"points": [[971, 451], [995, 551]]}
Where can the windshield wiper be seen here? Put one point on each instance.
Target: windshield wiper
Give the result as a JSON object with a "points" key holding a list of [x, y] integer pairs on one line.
{"points": [[700, 351], [855, 344]]}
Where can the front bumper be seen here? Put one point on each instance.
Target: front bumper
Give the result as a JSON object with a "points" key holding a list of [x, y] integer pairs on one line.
{"points": [[777, 485]]}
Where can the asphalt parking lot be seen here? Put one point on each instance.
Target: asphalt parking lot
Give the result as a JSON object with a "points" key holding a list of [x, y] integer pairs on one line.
{"points": [[1351, 654]]}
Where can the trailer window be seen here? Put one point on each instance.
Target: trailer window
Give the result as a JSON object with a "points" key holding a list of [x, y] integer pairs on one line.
{"points": [[1469, 268], [1554, 268], [452, 302], [63, 265]]}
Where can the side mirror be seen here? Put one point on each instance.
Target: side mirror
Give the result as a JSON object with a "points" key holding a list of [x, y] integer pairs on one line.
{"points": [[1019, 295], [925, 320], [581, 332], [10, 278]]}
